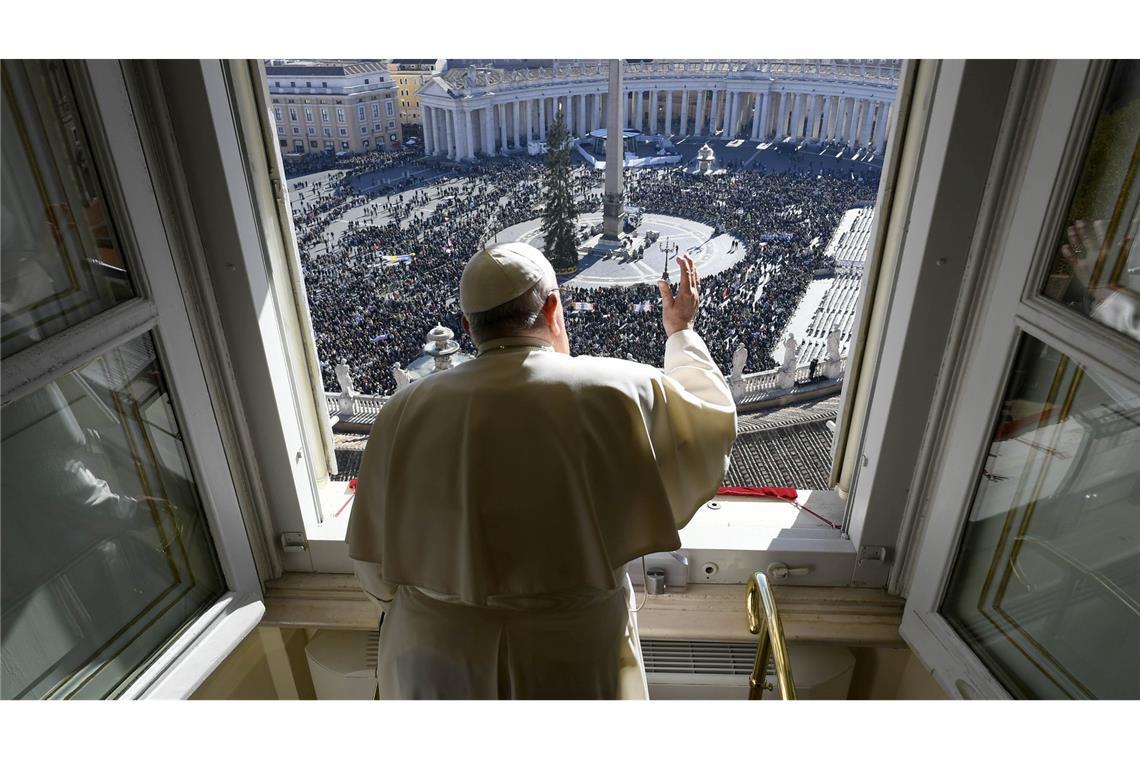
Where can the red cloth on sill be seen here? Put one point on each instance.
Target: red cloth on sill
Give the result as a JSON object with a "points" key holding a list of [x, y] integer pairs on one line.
{"points": [[771, 492]]}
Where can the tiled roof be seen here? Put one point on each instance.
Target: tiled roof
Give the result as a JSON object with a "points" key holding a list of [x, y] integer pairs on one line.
{"points": [[785, 447]]}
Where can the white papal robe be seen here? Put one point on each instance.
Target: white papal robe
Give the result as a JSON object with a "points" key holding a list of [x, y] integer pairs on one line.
{"points": [[497, 505]]}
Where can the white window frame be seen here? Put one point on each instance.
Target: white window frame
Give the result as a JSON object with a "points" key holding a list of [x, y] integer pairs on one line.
{"points": [[161, 310], [916, 179], [1048, 136]]}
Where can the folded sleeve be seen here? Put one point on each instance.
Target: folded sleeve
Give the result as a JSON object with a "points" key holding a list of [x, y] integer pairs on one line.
{"points": [[692, 425]]}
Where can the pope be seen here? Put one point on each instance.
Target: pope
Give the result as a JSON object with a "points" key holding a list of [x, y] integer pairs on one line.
{"points": [[499, 501]]}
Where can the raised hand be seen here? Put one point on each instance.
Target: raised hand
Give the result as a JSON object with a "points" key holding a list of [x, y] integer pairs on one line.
{"points": [[679, 312]]}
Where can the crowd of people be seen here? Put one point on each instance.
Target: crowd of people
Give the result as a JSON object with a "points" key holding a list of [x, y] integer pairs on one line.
{"points": [[381, 280]]}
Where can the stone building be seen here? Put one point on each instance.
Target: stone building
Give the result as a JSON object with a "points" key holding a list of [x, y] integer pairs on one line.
{"points": [[490, 108], [409, 75], [322, 106]]}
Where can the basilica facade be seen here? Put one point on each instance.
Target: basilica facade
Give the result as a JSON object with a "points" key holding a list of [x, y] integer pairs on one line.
{"points": [[474, 109]]}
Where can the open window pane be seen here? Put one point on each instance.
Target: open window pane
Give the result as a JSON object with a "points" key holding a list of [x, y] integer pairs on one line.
{"points": [[1046, 589], [106, 553], [1096, 270], [60, 260]]}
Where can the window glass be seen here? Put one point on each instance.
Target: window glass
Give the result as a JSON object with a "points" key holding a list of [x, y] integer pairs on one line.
{"points": [[1046, 587], [1096, 269], [60, 260], [106, 552]]}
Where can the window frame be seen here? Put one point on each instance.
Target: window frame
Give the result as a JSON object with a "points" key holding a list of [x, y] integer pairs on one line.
{"points": [[917, 173], [1051, 131], [102, 100]]}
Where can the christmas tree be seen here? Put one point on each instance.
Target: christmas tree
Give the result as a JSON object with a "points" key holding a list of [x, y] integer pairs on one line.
{"points": [[559, 217]]}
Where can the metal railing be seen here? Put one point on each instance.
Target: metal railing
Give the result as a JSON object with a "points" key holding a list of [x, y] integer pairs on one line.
{"points": [[764, 621]]}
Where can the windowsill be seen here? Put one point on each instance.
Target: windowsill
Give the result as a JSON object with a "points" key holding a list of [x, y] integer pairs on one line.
{"points": [[847, 616]]}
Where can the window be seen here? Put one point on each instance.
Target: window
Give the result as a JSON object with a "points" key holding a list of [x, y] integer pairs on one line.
{"points": [[343, 132], [283, 143], [109, 488], [375, 110], [325, 115], [363, 129], [360, 113], [391, 124], [296, 130], [328, 145], [343, 145], [299, 145], [327, 131], [1029, 571], [377, 127], [292, 114], [393, 138], [280, 130], [312, 131], [277, 113], [309, 115], [292, 84], [312, 143], [308, 84], [364, 142], [388, 109], [340, 115]]}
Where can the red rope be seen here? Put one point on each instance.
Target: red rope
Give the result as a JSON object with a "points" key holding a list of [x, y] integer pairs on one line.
{"points": [[351, 487]]}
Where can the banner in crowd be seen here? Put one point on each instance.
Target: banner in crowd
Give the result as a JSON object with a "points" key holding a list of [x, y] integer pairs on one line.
{"points": [[583, 306], [644, 306]]}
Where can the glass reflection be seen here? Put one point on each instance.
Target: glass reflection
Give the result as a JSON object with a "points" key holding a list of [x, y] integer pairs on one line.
{"points": [[1096, 270], [1046, 588], [105, 552], [59, 259]]}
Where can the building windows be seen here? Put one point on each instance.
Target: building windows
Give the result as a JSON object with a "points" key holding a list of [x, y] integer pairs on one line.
{"points": [[364, 142], [312, 131], [391, 124], [343, 132], [325, 85], [312, 143], [280, 129], [283, 143], [360, 113], [296, 130], [340, 116], [325, 115], [308, 84], [292, 84], [388, 107], [277, 113], [299, 145], [328, 131], [363, 129], [377, 127], [292, 114], [365, 81], [343, 145], [393, 138], [328, 144], [309, 115], [375, 111]]}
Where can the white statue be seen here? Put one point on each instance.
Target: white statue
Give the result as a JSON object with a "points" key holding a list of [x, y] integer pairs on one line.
{"points": [[739, 359], [790, 347], [833, 345], [345, 380], [403, 379]]}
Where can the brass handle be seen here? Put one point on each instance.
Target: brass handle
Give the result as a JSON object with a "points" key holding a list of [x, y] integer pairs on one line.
{"points": [[772, 643]]}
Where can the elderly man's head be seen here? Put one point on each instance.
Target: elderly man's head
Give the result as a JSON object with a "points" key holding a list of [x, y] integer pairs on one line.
{"points": [[508, 290]]}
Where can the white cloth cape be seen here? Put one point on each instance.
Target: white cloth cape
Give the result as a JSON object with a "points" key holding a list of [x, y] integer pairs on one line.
{"points": [[499, 501]]}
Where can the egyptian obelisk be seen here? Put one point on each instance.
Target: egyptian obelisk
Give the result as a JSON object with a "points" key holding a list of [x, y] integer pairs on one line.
{"points": [[612, 201]]}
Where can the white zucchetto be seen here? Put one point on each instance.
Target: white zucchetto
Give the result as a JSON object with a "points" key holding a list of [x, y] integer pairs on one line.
{"points": [[500, 273]]}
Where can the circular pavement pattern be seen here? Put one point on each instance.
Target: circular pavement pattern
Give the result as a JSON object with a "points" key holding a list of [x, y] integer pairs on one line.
{"points": [[596, 270]]}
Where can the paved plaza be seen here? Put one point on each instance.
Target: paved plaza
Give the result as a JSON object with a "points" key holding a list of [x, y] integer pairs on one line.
{"points": [[596, 269]]}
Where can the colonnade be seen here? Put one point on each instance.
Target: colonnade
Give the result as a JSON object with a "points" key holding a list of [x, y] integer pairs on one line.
{"points": [[463, 128]]}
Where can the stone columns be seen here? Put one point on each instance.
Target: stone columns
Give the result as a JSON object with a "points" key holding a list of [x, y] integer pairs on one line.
{"points": [[881, 125], [699, 118], [785, 110], [503, 127], [757, 99], [734, 101], [542, 119], [826, 119], [684, 130], [813, 111], [653, 112], [668, 113], [583, 116], [852, 122], [713, 113], [529, 120], [518, 124], [429, 138], [469, 124], [440, 131], [764, 114], [597, 110], [797, 116], [450, 133], [485, 133]]}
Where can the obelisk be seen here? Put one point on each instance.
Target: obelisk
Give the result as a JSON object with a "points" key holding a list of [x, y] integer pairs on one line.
{"points": [[612, 201]]}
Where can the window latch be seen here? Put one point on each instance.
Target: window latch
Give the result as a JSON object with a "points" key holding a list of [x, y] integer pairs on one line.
{"points": [[293, 542]]}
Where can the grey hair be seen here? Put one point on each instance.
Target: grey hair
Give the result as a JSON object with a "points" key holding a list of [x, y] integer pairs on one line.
{"points": [[520, 314]]}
